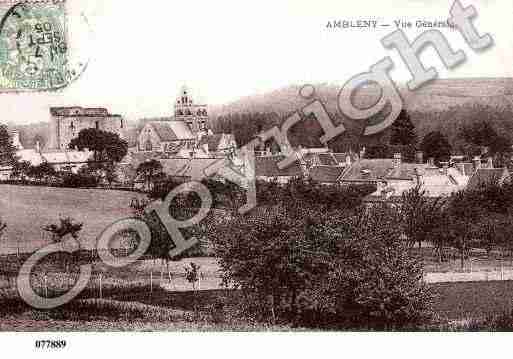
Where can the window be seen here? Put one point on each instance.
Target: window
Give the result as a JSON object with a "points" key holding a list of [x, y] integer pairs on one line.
{"points": [[121, 123], [97, 125]]}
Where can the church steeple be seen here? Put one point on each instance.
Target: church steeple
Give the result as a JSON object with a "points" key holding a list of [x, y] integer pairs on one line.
{"points": [[195, 116]]}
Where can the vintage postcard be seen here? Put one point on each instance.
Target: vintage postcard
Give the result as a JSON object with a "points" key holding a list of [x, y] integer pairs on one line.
{"points": [[270, 166]]}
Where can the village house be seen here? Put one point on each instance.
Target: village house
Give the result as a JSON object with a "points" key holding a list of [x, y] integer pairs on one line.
{"points": [[318, 164], [217, 145], [61, 160], [67, 160], [487, 176], [267, 169]]}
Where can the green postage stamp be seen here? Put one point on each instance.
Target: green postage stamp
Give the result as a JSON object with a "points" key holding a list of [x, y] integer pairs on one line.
{"points": [[33, 46]]}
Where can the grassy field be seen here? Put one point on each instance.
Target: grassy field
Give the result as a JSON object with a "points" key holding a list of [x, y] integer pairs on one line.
{"points": [[26, 209], [460, 301], [148, 295]]}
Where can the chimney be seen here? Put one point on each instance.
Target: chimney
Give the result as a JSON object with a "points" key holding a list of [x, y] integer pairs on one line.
{"points": [[381, 188], [417, 176], [348, 160], [397, 160], [38, 147], [461, 168], [477, 163], [489, 162], [419, 157], [445, 168], [362, 152], [431, 161]]}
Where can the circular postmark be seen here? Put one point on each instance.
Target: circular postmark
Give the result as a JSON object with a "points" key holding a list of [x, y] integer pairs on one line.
{"points": [[34, 49]]}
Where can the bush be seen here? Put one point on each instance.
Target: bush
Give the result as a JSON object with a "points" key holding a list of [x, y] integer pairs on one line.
{"points": [[73, 180], [348, 272]]}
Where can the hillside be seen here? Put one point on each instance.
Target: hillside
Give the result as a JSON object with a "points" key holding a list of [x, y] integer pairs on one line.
{"points": [[443, 105]]}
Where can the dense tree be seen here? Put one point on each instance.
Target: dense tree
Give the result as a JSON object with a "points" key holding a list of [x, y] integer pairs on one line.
{"points": [[403, 130], [482, 138], [43, 172], [108, 149], [66, 226], [340, 272], [387, 151], [479, 133], [106, 146], [421, 215], [7, 149], [38, 138], [151, 172], [435, 145], [463, 215], [21, 170], [3, 226]]}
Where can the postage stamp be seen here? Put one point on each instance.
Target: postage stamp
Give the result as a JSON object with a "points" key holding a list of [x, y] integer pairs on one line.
{"points": [[33, 46]]}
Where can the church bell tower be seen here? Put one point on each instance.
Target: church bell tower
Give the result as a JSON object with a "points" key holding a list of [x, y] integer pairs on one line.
{"points": [[196, 116]]}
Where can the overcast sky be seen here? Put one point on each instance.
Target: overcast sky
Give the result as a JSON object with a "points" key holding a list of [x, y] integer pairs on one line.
{"points": [[141, 52]]}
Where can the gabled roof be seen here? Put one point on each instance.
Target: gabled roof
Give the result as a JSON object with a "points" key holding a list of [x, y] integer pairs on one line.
{"points": [[268, 167], [487, 175], [61, 157], [53, 157], [407, 171], [215, 141], [327, 159], [326, 174], [324, 159], [341, 157], [169, 131], [192, 168], [368, 170], [383, 168]]}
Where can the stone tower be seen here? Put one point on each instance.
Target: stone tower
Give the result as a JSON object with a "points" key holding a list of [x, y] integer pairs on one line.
{"points": [[67, 122], [194, 115]]}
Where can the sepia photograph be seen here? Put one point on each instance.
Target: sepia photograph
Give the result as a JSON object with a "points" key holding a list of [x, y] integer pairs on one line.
{"points": [[248, 178]]}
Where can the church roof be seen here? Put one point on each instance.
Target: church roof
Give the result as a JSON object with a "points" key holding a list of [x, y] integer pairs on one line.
{"points": [[172, 130]]}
